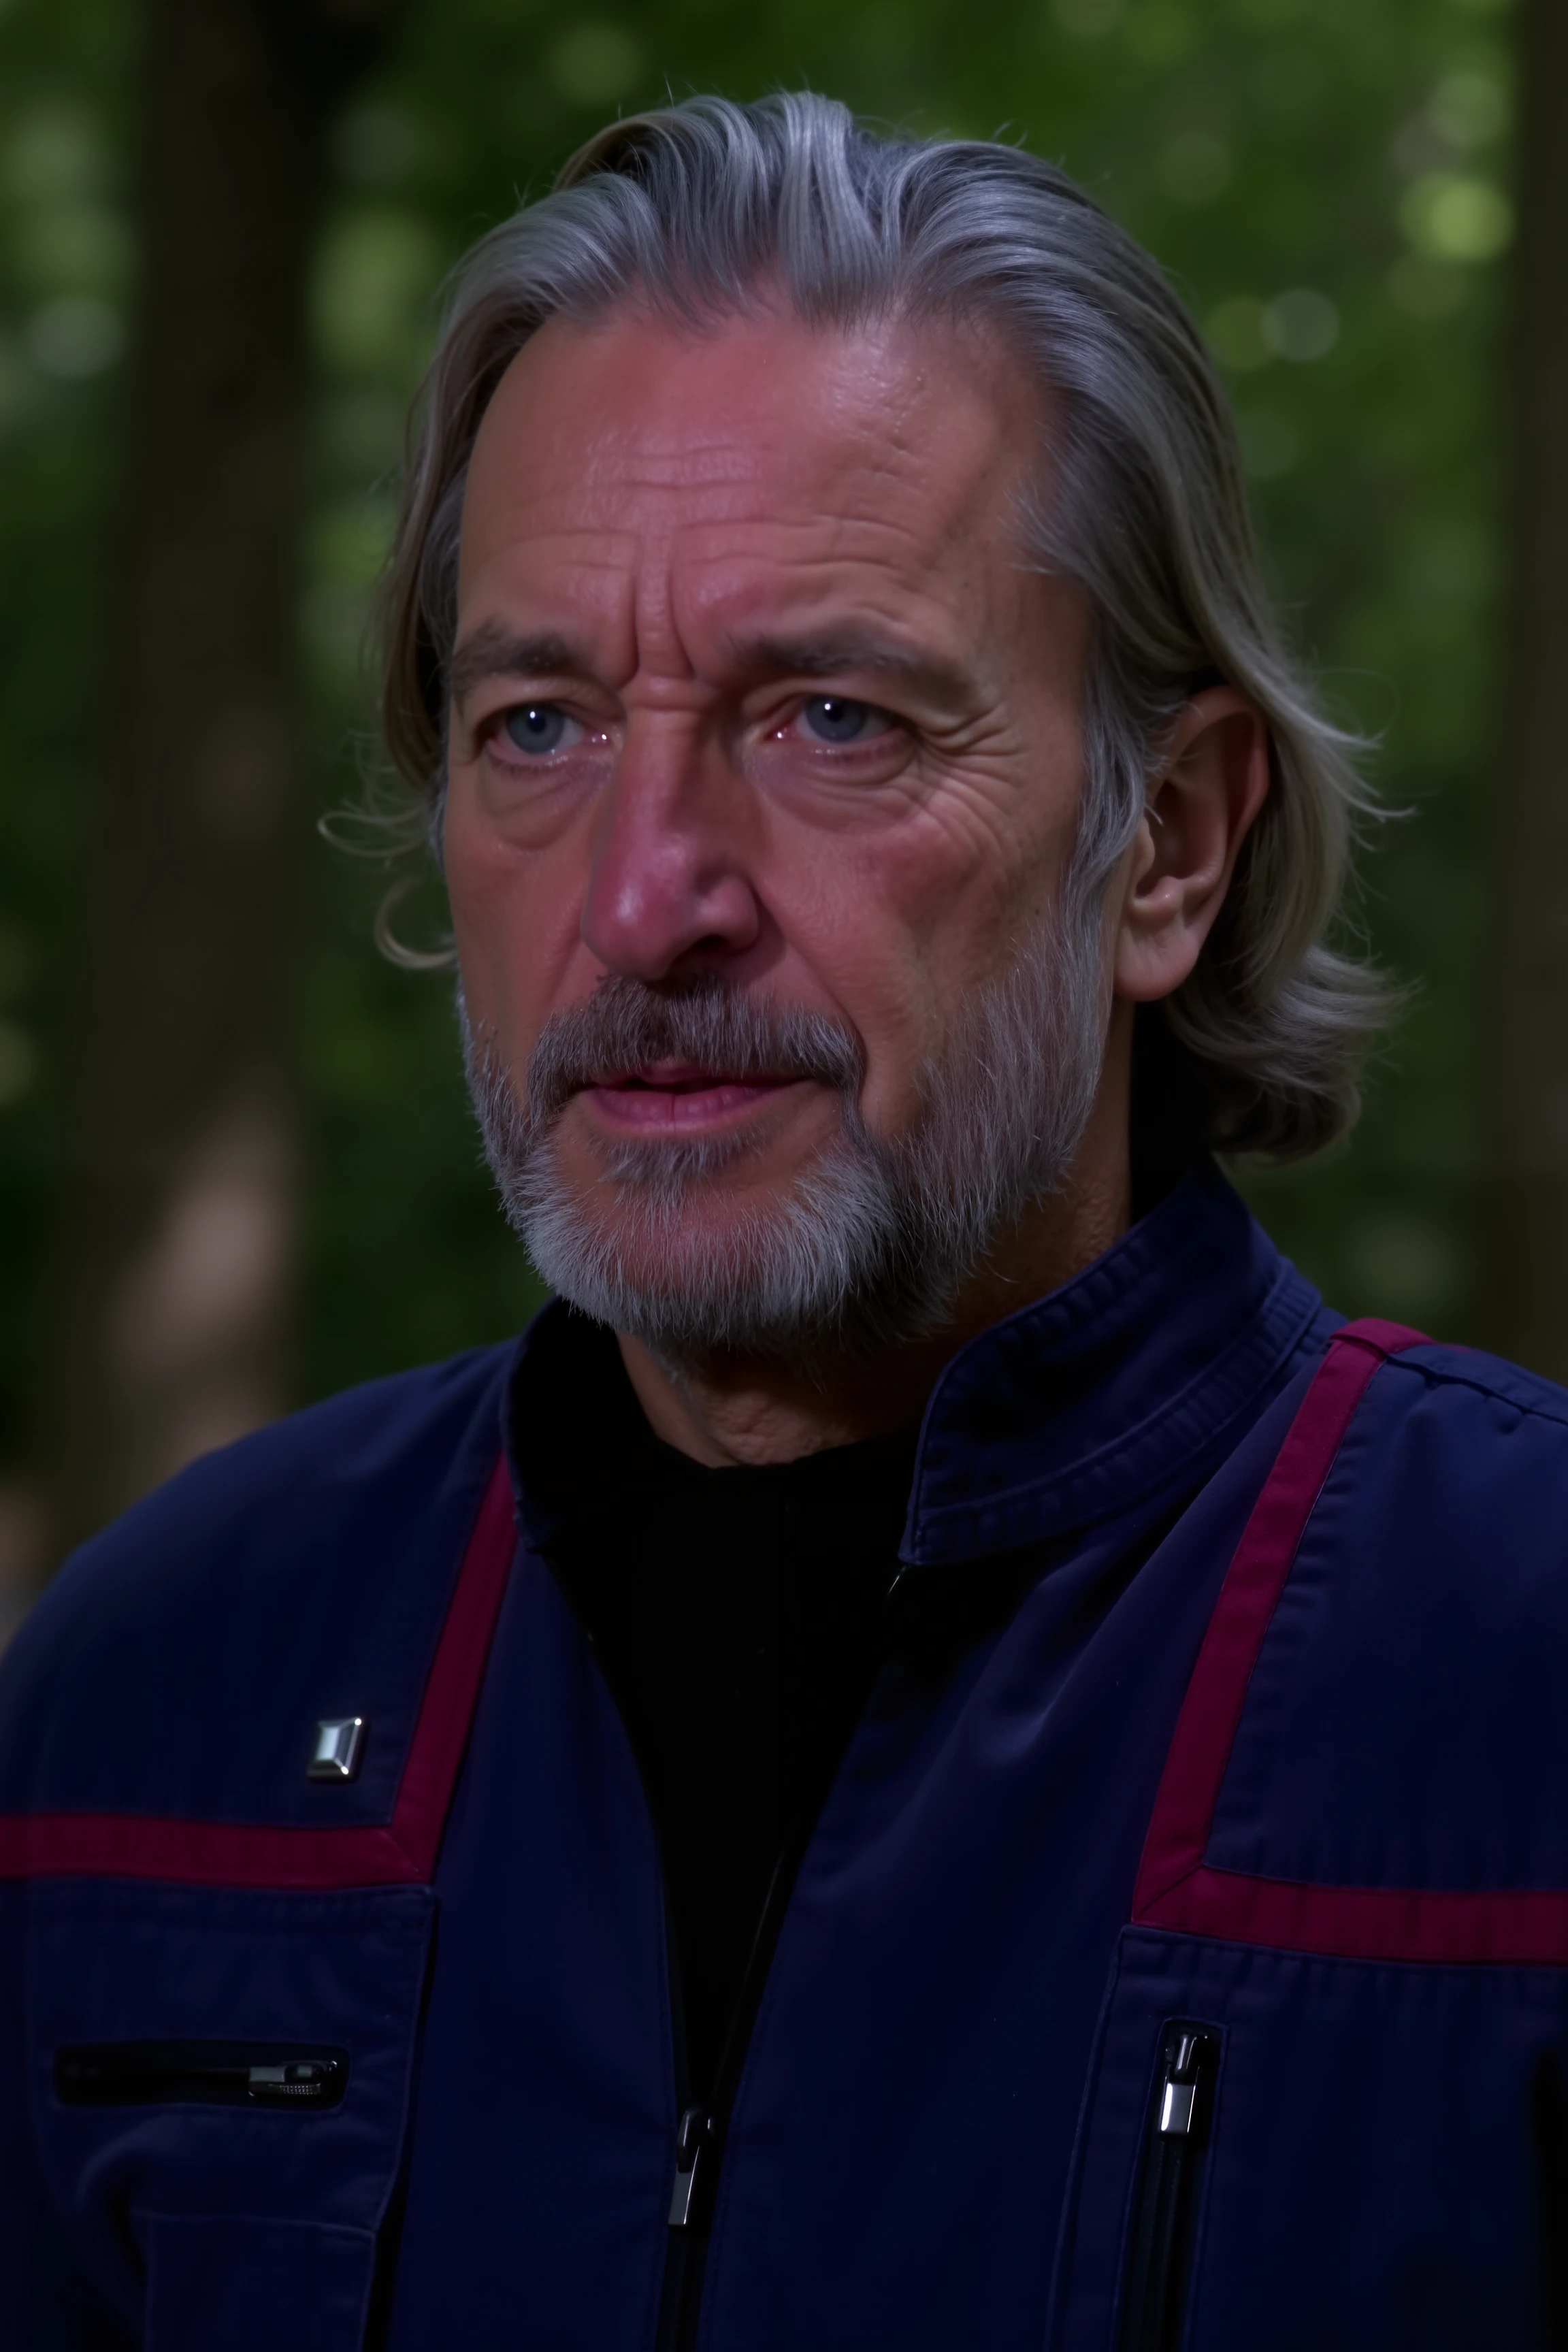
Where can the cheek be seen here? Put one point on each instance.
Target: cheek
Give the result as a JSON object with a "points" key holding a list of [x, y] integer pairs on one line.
{"points": [[905, 925], [890, 932], [515, 917]]}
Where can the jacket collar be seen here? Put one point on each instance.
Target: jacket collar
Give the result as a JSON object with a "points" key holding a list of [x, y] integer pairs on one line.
{"points": [[1093, 1397], [1078, 1407]]}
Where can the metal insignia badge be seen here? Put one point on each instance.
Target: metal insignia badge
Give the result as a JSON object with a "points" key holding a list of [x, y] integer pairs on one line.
{"points": [[339, 1742]]}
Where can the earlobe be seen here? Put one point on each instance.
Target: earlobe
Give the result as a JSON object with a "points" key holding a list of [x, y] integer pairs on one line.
{"points": [[1202, 802]]}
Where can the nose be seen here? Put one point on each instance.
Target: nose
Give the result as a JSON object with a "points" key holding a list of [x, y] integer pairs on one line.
{"points": [[670, 888]]}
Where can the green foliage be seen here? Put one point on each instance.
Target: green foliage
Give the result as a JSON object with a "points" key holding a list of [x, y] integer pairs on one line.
{"points": [[1327, 182], [64, 270]]}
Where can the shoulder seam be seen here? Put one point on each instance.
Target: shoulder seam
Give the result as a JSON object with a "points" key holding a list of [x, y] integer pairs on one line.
{"points": [[1456, 1378]]}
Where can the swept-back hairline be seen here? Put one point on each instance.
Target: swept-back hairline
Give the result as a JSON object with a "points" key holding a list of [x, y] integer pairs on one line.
{"points": [[1147, 514]]}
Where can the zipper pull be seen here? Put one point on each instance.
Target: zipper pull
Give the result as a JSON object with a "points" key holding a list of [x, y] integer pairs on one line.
{"points": [[696, 2131], [1179, 2085], [296, 2078], [208, 2074], [1164, 2220]]}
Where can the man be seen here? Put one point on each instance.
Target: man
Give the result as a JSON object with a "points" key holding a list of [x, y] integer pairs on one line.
{"points": [[939, 1758]]}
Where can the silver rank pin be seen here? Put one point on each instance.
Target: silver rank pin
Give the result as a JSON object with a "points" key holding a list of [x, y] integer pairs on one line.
{"points": [[340, 1743]]}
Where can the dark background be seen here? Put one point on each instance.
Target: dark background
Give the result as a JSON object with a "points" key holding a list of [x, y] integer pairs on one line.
{"points": [[237, 1168]]}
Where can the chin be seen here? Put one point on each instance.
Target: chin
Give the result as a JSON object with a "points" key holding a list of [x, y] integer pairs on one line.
{"points": [[671, 1240], [780, 1271]]}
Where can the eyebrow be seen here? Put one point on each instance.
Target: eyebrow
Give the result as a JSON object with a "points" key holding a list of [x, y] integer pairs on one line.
{"points": [[495, 651], [838, 650]]}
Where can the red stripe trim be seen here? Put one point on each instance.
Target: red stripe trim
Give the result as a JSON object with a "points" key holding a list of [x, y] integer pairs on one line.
{"points": [[452, 1686], [1369, 1923], [211, 1853], [1176, 1887], [223, 1853], [1206, 1727]]}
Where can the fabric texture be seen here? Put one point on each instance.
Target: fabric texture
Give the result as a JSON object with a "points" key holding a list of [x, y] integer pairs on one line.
{"points": [[736, 1616], [946, 2116]]}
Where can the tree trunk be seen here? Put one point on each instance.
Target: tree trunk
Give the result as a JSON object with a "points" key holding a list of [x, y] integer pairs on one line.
{"points": [[176, 1290], [1526, 1289]]}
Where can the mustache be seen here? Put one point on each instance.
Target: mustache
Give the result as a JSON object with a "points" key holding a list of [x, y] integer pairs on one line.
{"points": [[708, 1021]]}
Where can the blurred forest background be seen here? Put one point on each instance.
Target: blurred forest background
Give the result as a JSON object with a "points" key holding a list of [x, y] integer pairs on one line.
{"points": [[237, 1167]]}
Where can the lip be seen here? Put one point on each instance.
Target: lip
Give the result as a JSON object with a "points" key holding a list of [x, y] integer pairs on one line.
{"points": [[680, 1099]]}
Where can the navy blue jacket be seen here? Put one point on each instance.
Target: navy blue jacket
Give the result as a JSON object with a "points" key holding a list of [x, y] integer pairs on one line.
{"points": [[1183, 1944]]}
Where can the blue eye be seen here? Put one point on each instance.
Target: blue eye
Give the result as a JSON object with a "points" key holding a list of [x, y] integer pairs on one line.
{"points": [[835, 718], [536, 727]]}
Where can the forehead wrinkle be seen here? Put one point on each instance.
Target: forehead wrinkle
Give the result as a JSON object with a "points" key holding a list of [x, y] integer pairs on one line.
{"points": [[885, 604], [739, 471], [764, 510], [635, 460]]}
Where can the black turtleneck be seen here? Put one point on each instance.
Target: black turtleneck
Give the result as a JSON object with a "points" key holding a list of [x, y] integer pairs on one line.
{"points": [[736, 1616]]}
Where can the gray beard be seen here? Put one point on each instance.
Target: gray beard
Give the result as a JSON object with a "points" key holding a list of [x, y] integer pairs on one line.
{"points": [[875, 1239]]}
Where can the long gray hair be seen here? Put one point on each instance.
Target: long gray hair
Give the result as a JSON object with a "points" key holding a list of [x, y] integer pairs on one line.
{"points": [[706, 208]]}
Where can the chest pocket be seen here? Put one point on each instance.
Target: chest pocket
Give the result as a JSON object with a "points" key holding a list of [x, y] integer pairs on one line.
{"points": [[220, 2099], [1359, 2164]]}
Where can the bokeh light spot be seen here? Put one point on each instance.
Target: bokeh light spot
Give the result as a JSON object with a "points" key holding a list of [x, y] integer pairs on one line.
{"points": [[374, 277], [53, 154], [1454, 216], [1468, 109], [76, 335], [1300, 325]]}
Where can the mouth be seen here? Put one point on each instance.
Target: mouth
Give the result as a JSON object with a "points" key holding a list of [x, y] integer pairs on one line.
{"points": [[681, 1098]]}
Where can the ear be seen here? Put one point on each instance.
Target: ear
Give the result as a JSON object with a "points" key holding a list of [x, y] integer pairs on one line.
{"points": [[1206, 795]]}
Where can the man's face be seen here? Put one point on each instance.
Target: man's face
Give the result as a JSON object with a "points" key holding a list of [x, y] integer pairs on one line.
{"points": [[752, 687]]}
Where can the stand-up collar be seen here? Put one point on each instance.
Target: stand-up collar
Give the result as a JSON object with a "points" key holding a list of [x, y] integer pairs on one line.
{"points": [[1111, 1386], [1072, 1410]]}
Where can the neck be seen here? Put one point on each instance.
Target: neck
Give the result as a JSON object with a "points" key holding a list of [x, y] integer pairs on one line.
{"points": [[732, 1410]]}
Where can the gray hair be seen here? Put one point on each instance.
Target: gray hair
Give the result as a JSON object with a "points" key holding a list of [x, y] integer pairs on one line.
{"points": [[705, 208], [875, 1243]]}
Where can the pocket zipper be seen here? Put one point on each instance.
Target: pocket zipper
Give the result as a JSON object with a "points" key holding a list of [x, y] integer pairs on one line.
{"points": [[1165, 2218], [217, 2074]]}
